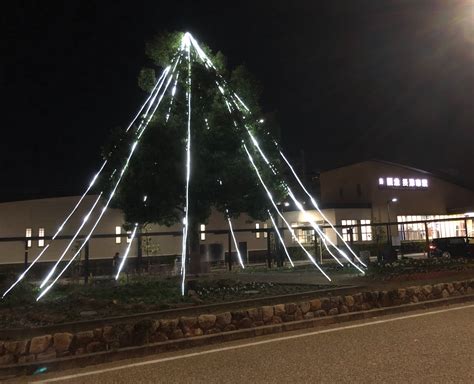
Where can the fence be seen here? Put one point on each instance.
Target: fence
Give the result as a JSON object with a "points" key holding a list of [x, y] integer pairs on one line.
{"points": [[406, 236]]}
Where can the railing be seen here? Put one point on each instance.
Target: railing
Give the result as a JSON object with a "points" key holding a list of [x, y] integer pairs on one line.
{"points": [[357, 236]]}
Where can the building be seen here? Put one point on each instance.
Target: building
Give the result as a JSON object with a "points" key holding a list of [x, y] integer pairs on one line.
{"points": [[377, 191], [355, 198]]}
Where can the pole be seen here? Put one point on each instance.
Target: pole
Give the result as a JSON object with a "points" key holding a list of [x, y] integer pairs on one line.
{"points": [[26, 254], [86, 264], [389, 228], [427, 239], [269, 251], [229, 245], [139, 252]]}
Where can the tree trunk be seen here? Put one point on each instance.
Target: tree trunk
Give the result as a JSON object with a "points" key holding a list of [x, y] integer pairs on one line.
{"points": [[196, 263]]}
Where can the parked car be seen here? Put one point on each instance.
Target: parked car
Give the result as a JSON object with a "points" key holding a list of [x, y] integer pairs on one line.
{"points": [[452, 247]]}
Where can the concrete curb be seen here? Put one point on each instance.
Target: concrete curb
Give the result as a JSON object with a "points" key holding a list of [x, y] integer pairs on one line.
{"points": [[173, 345]]}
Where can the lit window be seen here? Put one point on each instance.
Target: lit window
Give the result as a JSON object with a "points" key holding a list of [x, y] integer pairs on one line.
{"points": [[257, 234], [418, 182], [203, 228], [411, 182], [41, 237], [381, 181], [396, 182], [366, 230], [28, 235], [390, 181], [424, 183], [129, 238], [405, 182], [350, 226], [265, 234], [118, 231]]}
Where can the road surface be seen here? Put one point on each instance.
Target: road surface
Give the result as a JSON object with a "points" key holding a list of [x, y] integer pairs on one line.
{"points": [[430, 346]]}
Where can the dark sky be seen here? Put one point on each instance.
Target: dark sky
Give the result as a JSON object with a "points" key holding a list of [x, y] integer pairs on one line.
{"points": [[349, 80]]}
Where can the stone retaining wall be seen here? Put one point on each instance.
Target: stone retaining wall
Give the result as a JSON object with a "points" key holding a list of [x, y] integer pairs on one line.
{"points": [[49, 347]]}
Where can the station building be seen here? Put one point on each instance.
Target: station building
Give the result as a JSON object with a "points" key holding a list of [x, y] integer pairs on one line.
{"points": [[354, 198]]}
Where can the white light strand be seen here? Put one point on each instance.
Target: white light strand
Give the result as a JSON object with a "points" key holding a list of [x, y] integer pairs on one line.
{"points": [[280, 238], [239, 256], [104, 209], [134, 145], [188, 168], [327, 248], [58, 231], [84, 221], [122, 263], [156, 88], [163, 74], [173, 93], [311, 258], [313, 201], [319, 231]]}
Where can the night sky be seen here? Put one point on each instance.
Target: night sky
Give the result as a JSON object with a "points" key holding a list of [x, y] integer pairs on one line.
{"points": [[349, 80]]}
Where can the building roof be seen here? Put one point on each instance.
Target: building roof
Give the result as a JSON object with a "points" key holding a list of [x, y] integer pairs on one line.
{"points": [[436, 174]]}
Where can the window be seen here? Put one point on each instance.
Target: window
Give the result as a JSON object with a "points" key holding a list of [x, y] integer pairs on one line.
{"points": [[28, 235], [265, 234], [390, 181], [41, 237], [424, 183], [257, 234], [118, 231], [129, 237], [396, 182], [346, 231], [365, 230], [381, 181], [203, 228], [405, 182]]}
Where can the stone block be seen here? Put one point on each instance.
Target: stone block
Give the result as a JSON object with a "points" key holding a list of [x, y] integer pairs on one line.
{"points": [[95, 346], [279, 309], [206, 321], [255, 314], [290, 308], [26, 359], [40, 344], [333, 312], [315, 304], [62, 341], [305, 307], [7, 359], [223, 319], [267, 313], [349, 301], [83, 338]]}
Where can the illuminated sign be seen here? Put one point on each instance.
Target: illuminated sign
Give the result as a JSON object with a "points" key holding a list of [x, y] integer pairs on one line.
{"points": [[398, 182]]}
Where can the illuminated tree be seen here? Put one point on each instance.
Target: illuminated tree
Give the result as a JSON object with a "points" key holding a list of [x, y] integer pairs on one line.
{"points": [[153, 189]]}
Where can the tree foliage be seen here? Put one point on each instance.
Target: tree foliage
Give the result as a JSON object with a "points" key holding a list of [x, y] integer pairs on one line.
{"points": [[221, 175]]}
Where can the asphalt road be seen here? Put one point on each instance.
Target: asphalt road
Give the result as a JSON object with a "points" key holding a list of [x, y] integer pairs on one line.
{"points": [[431, 346]]}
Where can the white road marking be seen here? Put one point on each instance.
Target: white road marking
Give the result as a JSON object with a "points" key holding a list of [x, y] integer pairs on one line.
{"points": [[222, 349]]}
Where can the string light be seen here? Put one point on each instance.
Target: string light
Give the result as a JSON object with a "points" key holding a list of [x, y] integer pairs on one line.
{"points": [[187, 46], [310, 257], [280, 238], [122, 263], [313, 201], [132, 150], [239, 256], [58, 231], [84, 221]]}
